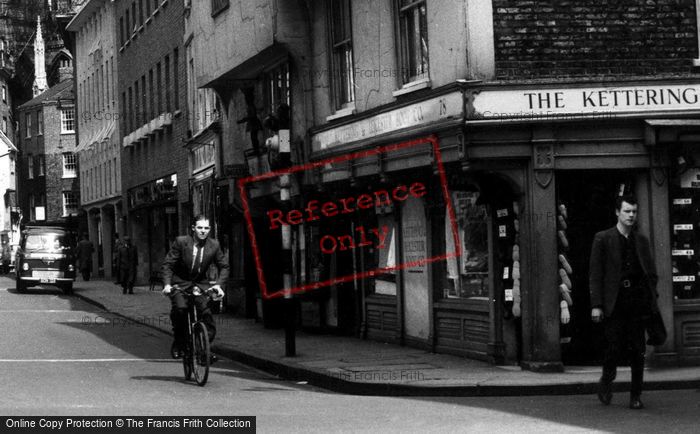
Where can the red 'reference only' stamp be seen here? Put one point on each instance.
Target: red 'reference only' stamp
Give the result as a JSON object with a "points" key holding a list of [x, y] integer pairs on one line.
{"points": [[315, 209]]}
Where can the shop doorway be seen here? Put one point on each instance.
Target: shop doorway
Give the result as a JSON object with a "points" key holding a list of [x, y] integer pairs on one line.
{"points": [[589, 197]]}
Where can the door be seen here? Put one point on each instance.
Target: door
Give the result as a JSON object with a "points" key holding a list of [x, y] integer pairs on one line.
{"points": [[589, 199]]}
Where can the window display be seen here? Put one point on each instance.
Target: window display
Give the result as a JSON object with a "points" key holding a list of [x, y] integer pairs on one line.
{"points": [[685, 250], [467, 275]]}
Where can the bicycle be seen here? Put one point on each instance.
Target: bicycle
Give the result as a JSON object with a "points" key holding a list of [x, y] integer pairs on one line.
{"points": [[196, 357]]}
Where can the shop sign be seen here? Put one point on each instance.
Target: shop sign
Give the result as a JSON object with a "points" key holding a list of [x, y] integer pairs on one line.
{"points": [[583, 102], [414, 242], [684, 227], [441, 108], [683, 201], [684, 278], [160, 190], [682, 252], [690, 178]]}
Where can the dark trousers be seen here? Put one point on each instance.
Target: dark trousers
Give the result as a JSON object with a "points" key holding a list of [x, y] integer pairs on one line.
{"points": [[126, 278], [624, 333], [178, 316]]}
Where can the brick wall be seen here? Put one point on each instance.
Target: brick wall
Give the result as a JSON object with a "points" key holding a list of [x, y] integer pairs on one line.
{"points": [[594, 38], [163, 154], [52, 144]]}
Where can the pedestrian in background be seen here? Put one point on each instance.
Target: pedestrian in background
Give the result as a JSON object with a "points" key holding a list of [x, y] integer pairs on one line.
{"points": [[127, 263], [623, 296], [6, 257], [84, 253], [115, 259]]}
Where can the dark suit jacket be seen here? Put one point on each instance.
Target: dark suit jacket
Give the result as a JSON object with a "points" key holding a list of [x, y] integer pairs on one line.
{"points": [[177, 265], [606, 269]]}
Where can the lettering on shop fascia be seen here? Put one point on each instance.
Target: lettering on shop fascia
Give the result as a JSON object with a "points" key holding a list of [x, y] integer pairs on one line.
{"points": [[526, 104], [440, 108]]}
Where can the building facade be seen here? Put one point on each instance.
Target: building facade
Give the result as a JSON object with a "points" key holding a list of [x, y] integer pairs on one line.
{"points": [[49, 190], [152, 99], [515, 121], [251, 58], [99, 148]]}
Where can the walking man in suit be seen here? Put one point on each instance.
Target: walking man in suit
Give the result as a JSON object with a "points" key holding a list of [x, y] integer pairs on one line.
{"points": [[623, 296], [127, 263], [186, 265]]}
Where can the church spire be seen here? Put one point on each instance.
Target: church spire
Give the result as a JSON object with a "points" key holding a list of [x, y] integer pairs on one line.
{"points": [[40, 84]]}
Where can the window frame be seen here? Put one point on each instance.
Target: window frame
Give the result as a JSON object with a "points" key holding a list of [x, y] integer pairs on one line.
{"points": [[66, 163], [74, 198], [40, 123], [340, 85], [28, 125], [405, 76], [41, 160], [65, 120], [30, 166]]}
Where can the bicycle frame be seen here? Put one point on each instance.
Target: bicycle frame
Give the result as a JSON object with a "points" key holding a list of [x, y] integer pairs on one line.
{"points": [[197, 355]]}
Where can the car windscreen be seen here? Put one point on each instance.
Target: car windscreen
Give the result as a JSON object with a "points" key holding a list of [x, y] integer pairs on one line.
{"points": [[47, 242]]}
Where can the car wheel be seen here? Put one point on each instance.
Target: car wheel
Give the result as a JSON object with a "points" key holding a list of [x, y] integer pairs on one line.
{"points": [[21, 286]]}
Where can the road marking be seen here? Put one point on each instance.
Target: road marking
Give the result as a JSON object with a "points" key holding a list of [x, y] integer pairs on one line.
{"points": [[38, 311], [81, 360]]}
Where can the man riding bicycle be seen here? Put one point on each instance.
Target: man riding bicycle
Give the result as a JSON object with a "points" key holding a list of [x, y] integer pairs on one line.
{"points": [[185, 266]]}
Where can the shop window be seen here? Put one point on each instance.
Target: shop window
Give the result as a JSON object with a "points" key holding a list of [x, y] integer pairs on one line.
{"points": [[413, 40], [385, 283], [342, 77], [467, 276], [685, 249]]}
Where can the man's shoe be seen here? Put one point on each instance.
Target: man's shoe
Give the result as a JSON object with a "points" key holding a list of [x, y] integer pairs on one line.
{"points": [[213, 359], [605, 393], [636, 403]]}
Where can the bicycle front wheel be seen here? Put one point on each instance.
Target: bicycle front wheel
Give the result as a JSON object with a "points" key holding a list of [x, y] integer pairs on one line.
{"points": [[202, 356], [187, 361]]}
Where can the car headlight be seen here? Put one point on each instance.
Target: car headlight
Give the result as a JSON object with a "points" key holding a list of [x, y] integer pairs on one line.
{"points": [[25, 266], [71, 267]]}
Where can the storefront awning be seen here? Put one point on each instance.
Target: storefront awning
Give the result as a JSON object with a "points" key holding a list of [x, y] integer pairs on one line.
{"points": [[97, 136], [252, 68]]}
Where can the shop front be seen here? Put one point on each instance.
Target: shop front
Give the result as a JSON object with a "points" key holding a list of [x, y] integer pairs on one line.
{"points": [[439, 271], [579, 147], [153, 221]]}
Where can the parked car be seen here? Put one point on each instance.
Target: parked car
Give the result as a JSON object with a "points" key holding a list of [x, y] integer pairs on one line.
{"points": [[45, 256]]}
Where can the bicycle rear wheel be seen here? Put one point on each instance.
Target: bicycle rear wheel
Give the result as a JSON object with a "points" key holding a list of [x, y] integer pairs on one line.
{"points": [[202, 356]]}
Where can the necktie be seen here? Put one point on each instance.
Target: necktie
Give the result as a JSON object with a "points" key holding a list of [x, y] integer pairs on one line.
{"points": [[197, 263]]}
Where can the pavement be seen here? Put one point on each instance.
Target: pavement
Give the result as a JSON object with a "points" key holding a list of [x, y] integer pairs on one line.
{"points": [[364, 367]]}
